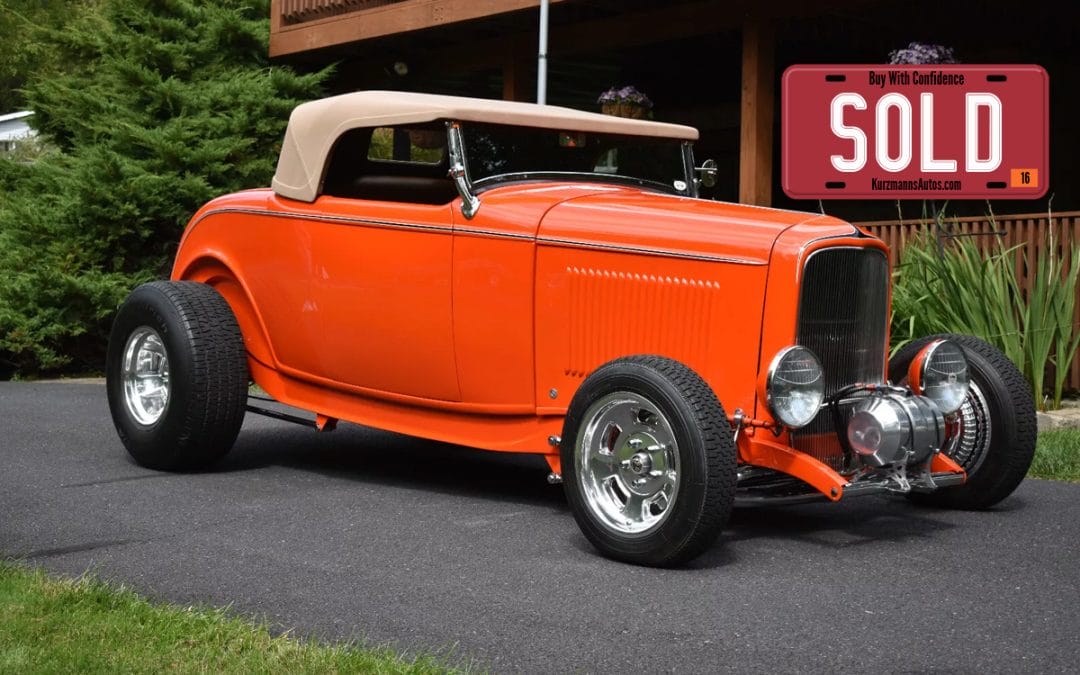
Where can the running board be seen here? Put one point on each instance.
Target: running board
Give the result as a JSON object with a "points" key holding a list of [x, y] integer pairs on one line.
{"points": [[295, 419]]}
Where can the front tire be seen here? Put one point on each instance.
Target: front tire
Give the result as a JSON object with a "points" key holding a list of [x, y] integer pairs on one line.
{"points": [[176, 375], [648, 461], [996, 425]]}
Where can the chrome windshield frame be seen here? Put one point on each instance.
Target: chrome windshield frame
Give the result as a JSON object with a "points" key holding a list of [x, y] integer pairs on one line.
{"points": [[469, 190]]}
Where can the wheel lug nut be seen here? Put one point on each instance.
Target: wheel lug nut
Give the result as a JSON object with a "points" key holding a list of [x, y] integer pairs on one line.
{"points": [[635, 443], [640, 481], [656, 473], [655, 448]]}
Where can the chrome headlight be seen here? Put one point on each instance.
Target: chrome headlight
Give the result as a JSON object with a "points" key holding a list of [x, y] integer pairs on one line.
{"points": [[795, 386], [940, 373]]}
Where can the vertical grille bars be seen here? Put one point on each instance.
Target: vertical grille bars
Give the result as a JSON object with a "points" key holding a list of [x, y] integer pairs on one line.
{"points": [[843, 318]]}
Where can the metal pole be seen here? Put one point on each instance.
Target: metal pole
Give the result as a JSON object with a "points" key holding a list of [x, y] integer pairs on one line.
{"points": [[541, 57]]}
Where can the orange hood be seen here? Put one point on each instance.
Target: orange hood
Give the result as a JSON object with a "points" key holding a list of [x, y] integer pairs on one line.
{"points": [[680, 225]]}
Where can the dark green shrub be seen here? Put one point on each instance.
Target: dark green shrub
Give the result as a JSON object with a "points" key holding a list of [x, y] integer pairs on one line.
{"points": [[164, 105]]}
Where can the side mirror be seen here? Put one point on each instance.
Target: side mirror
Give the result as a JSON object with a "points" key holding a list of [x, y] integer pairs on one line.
{"points": [[708, 172]]}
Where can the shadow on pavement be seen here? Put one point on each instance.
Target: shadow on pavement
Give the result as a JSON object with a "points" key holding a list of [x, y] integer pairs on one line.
{"points": [[371, 456], [367, 455]]}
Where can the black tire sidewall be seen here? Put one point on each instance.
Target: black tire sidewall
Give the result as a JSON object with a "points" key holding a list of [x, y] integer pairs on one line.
{"points": [[208, 375], [154, 445]]}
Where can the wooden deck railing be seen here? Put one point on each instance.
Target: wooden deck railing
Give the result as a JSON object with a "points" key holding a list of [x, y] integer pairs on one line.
{"points": [[298, 26], [296, 11], [1031, 229]]}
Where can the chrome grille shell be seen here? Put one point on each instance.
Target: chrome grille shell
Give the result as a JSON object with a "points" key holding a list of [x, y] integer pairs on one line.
{"points": [[843, 318]]}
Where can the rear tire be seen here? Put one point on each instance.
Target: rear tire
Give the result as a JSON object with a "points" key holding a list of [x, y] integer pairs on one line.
{"points": [[176, 375], [648, 461], [998, 427]]}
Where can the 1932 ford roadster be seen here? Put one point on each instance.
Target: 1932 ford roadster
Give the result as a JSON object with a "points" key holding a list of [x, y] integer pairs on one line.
{"points": [[535, 279]]}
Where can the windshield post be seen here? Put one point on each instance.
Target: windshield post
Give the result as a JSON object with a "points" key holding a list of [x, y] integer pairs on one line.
{"points": [[470, 203], [688, 165]]}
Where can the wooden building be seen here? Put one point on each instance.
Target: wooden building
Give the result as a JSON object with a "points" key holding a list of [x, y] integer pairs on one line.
{"points": [[715, 65], [15, 129]]}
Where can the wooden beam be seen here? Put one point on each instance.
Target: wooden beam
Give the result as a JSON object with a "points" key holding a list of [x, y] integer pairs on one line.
{"points": [[626, 30], [676, 21], [756, 113], [398, 17], [515, 73], [666, 23], [670, 22]]}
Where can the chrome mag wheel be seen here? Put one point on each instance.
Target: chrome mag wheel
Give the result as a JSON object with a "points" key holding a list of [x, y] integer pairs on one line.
{"points": [[628, 461], [145, 376], [650, 470], [973, 433]]}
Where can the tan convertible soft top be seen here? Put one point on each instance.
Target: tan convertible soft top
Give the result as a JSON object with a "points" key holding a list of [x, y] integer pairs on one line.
{"points": [[315, 126]]}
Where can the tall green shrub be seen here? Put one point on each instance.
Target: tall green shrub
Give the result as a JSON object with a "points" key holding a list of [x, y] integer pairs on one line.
{"points": [[958, 289], [24, 53], [166, 104]]}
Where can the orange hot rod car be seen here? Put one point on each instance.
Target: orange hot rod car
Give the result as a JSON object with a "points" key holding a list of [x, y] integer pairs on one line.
{"points": [[526, 278]]}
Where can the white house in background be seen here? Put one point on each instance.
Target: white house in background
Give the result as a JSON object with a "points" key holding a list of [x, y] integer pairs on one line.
{"points": [[14, 127]]}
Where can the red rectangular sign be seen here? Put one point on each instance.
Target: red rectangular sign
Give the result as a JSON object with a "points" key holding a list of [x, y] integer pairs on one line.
{"points": [[915, 132]]}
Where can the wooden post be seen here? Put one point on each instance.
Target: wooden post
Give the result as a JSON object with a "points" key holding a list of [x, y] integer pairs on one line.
{"points": [[515, 75], [756, 113]]}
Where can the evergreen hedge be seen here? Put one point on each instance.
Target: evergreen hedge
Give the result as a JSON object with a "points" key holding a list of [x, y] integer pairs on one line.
{"points": [[162, 105]]}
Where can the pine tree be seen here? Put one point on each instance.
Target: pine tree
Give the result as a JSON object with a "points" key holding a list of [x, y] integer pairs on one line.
{"points": [[167, 103], [23, 23]]}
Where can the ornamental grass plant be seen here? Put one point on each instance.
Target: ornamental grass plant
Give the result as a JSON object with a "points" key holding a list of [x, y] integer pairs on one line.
{"points": [[948, 285]]}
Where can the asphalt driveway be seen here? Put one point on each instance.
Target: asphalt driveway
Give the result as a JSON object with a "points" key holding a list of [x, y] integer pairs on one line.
{"points": [[360, 534]]}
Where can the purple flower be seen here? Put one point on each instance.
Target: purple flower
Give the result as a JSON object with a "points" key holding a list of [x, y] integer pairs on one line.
{"points": [[918, 53], [627, 94]]}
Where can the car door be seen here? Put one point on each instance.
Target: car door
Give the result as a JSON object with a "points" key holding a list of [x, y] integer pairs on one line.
{"points": [[493, 291], [380, 281]]}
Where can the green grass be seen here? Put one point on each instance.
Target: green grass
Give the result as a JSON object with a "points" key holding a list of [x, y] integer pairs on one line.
{"points": [[50, 625], [1057, 455]]}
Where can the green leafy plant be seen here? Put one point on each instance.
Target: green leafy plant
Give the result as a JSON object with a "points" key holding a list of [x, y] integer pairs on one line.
{"points": [[1062, 310]]}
